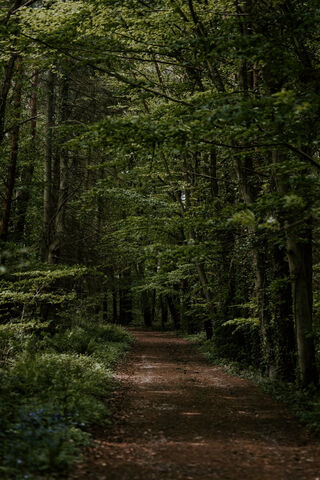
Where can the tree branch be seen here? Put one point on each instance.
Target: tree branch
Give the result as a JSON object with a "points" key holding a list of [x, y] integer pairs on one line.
{"points": [[115, 75]]}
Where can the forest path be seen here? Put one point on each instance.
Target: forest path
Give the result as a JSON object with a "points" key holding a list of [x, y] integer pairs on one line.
{"points": [[178, 418]]}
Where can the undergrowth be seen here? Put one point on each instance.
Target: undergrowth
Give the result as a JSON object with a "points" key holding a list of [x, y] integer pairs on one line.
{"points": [[53, 387], [303, 403]]}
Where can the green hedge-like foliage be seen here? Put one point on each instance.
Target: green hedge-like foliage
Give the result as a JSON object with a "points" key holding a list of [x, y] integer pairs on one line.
{"points": [[52, 388]]}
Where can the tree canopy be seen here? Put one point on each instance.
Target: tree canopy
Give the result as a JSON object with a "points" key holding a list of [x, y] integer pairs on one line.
{"points": [[170, 149]]}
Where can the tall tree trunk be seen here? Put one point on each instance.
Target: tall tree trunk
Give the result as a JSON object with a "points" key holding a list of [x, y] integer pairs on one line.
{"points": [[299, 250], [164, 311], [55, 253], [6, 211], [4, 91], [47, 191], [285, 344], [248, 190], [27, 172], [125, 299], [174, 311], [105, 307], [191, 235], [115, 316], [147, 300], [300, 264]]}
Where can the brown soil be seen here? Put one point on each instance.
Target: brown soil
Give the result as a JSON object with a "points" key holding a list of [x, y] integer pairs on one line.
{"points": [[178, 418]]}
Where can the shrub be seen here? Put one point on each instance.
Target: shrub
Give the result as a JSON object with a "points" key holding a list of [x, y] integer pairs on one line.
{"points": [[51, 389], [42, 439], [75, 383]]}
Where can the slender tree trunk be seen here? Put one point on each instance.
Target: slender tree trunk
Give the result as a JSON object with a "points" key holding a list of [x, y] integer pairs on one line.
{"points": [[248, 189], [260, 256], [105, 307], [47, 192], [174, 311], [115, 316], [191, 235], [55, 253], [299, 250], [27, 173], [285, 344], [8, 195], [125, 299], [4, 91], [164, 311], [148, 307]]}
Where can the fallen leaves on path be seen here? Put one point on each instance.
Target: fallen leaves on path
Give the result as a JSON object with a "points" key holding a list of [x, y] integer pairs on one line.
{"points": [[178, 418]]}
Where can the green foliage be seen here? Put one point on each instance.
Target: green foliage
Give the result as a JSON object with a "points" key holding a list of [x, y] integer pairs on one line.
{"points": [[18, 337], [52, 388], [245, 218], [242, 323], [71, 382], [105, 342], [41, 440], [303, 403]]}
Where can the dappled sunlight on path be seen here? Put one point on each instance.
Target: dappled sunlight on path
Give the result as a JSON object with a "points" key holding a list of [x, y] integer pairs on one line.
{"points": [[178, 418]]}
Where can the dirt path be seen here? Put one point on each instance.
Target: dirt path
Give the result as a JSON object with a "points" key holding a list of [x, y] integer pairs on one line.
{"points": [[178, 418]]}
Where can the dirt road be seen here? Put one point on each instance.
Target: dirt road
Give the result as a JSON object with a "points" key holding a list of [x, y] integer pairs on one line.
{"points": [[178, 418]]}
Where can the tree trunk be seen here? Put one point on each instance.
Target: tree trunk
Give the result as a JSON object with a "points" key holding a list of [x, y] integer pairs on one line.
{"points": [[27, 173], [105, 307], [47, 197], [148, 307], [115, 317], [125, 300], [299, 251], [300, 264], [5, 87], [285, 344], [6, 211], [174, 312], [55, 253], [164, 311]]}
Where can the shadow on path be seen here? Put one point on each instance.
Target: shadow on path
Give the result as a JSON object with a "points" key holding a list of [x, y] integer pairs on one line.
{"points": [[178, 418]]}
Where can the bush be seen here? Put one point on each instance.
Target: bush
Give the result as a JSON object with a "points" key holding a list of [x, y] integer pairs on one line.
{"points": [[75, 383], [51, 389], [18, 337], [86, 340], [110, 333], [41, 439]]}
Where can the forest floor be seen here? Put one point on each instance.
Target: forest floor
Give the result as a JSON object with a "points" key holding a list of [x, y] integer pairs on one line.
{"points": [[178, 418]]}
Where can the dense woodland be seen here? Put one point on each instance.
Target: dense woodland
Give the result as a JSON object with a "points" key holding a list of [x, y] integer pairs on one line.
{"points": [[160, 166]]}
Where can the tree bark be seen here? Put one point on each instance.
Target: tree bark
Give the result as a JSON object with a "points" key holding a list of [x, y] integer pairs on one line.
{"points": [[300, 264], [125, 299], [6, 211], [164, 311], [299, 251], [5, 87], [27, 173], [47, 191], [174, 311], [285, 344], [148, 307], [55, 251]]}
